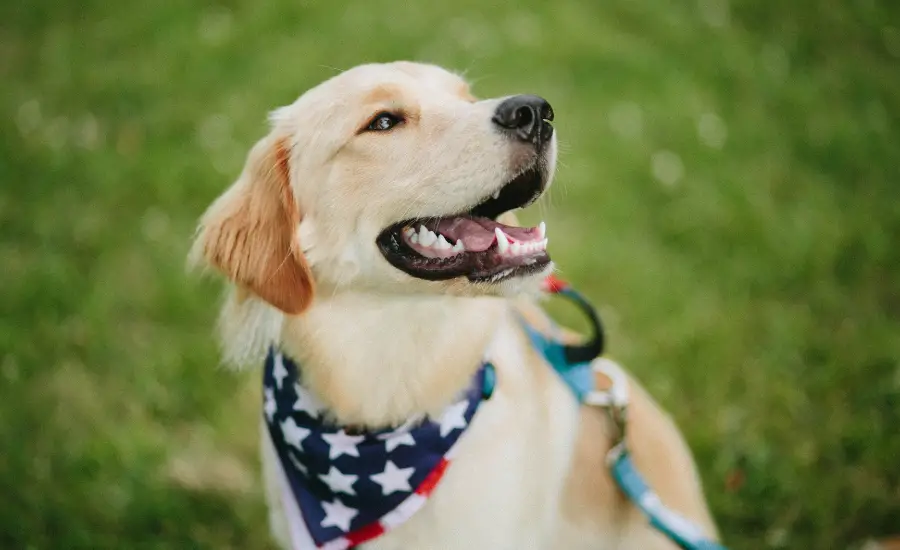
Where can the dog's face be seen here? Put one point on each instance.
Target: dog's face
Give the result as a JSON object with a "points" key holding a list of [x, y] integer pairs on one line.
{"points": [[388, 178]]}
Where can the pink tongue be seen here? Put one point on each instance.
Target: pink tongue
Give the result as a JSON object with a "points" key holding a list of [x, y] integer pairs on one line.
{"points": [[477, 234]]}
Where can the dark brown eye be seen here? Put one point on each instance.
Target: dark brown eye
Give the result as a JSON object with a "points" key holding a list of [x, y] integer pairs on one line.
{"points": [[382, 122]]}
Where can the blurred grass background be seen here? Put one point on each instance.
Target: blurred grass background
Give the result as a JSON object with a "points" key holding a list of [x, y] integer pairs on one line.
{"points": [[728, 192]]}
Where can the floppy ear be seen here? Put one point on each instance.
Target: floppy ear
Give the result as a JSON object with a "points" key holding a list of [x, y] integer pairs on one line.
{"points": [[250, 232]]}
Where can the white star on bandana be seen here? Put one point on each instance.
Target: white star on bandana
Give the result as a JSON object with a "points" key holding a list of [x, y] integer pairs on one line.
{"points": [[454, 417], [269, 404], [396, 439], [307, 402], [294, 434], [338, 515], [393, 478], [342, 444], [339, 482]]}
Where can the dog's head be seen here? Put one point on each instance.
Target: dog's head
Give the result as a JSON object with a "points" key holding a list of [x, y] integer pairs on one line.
{"points": [[390, 178]]}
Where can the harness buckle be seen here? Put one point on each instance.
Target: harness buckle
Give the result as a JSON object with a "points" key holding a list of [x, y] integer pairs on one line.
{"points": [[611, 392], [619, 417]]}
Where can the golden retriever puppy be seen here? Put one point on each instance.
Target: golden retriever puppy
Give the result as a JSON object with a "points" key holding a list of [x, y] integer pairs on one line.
{"points": [[405, 406]]}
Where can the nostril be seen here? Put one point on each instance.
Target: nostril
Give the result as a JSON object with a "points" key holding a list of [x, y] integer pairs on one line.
{"points": [[524, 117], [547, 112]]}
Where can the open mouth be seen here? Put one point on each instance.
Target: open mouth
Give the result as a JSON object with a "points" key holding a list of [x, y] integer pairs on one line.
{"points": [[472, 244]]}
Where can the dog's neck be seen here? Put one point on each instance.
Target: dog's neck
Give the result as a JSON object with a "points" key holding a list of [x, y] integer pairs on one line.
{"points": [[376, 361]]}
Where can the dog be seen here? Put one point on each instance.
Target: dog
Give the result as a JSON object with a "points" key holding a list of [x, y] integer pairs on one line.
{"points": [[362, 247]]}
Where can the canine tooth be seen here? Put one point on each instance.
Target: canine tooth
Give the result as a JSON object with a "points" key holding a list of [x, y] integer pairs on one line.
{"points": [[459, 246], [515, 249], [496, 194], [544, 244], [502, 241], [542, 230], [408, 232], [442, 243]]}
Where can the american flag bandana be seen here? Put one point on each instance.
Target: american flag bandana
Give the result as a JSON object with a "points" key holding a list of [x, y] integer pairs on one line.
{"points": [[349, 488]]}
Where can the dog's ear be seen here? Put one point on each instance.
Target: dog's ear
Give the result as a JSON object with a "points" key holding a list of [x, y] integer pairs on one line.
{"points": [[250, 232]]}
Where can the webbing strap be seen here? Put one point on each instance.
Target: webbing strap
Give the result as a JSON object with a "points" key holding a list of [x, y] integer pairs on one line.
{"points": [[679, 529]]}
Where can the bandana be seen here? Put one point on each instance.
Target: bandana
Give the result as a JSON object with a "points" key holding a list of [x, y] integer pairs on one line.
{"points": [[347, 487]]}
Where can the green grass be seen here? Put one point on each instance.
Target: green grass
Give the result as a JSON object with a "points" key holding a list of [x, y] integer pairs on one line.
{"points": [[728, 193]]}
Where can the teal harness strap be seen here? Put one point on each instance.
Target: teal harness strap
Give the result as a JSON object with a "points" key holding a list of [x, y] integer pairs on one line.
{"points": [[675, 526], [576, 365], [579, 377]]}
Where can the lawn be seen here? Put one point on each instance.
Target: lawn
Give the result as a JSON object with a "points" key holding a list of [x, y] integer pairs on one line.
{"points": [[729, 194]]}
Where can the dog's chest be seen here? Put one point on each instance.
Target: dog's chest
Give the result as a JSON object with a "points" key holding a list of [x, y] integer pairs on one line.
{"points": [[503, 488]]}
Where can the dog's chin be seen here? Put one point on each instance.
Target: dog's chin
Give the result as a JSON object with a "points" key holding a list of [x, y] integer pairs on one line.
{"points": [[472, 248]]}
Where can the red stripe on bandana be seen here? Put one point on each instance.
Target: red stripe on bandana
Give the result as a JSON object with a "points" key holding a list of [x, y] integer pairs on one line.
{"points": [[366, 533], [424, 490], [430, 482]]}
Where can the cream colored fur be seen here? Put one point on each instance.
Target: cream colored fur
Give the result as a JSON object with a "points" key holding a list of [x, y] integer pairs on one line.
{"points": [[378, 346]]}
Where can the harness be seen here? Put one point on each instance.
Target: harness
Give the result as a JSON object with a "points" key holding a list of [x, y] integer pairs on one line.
{"points": [[600, 382], [342, 489]]}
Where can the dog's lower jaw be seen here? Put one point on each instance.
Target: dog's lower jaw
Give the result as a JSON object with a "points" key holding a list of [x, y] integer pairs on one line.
{"points": [[377, 361]]}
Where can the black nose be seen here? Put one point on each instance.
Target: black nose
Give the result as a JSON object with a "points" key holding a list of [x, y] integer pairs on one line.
{"points": [[527, 116]]}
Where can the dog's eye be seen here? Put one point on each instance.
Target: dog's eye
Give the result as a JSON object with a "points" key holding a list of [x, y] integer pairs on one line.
{"points": [[383, 122]]}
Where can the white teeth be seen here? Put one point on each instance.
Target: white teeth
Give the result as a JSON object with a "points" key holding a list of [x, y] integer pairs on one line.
{"points": [[496, 194], [508, 247], [429, 239], [426, 237], [502, 241]]}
